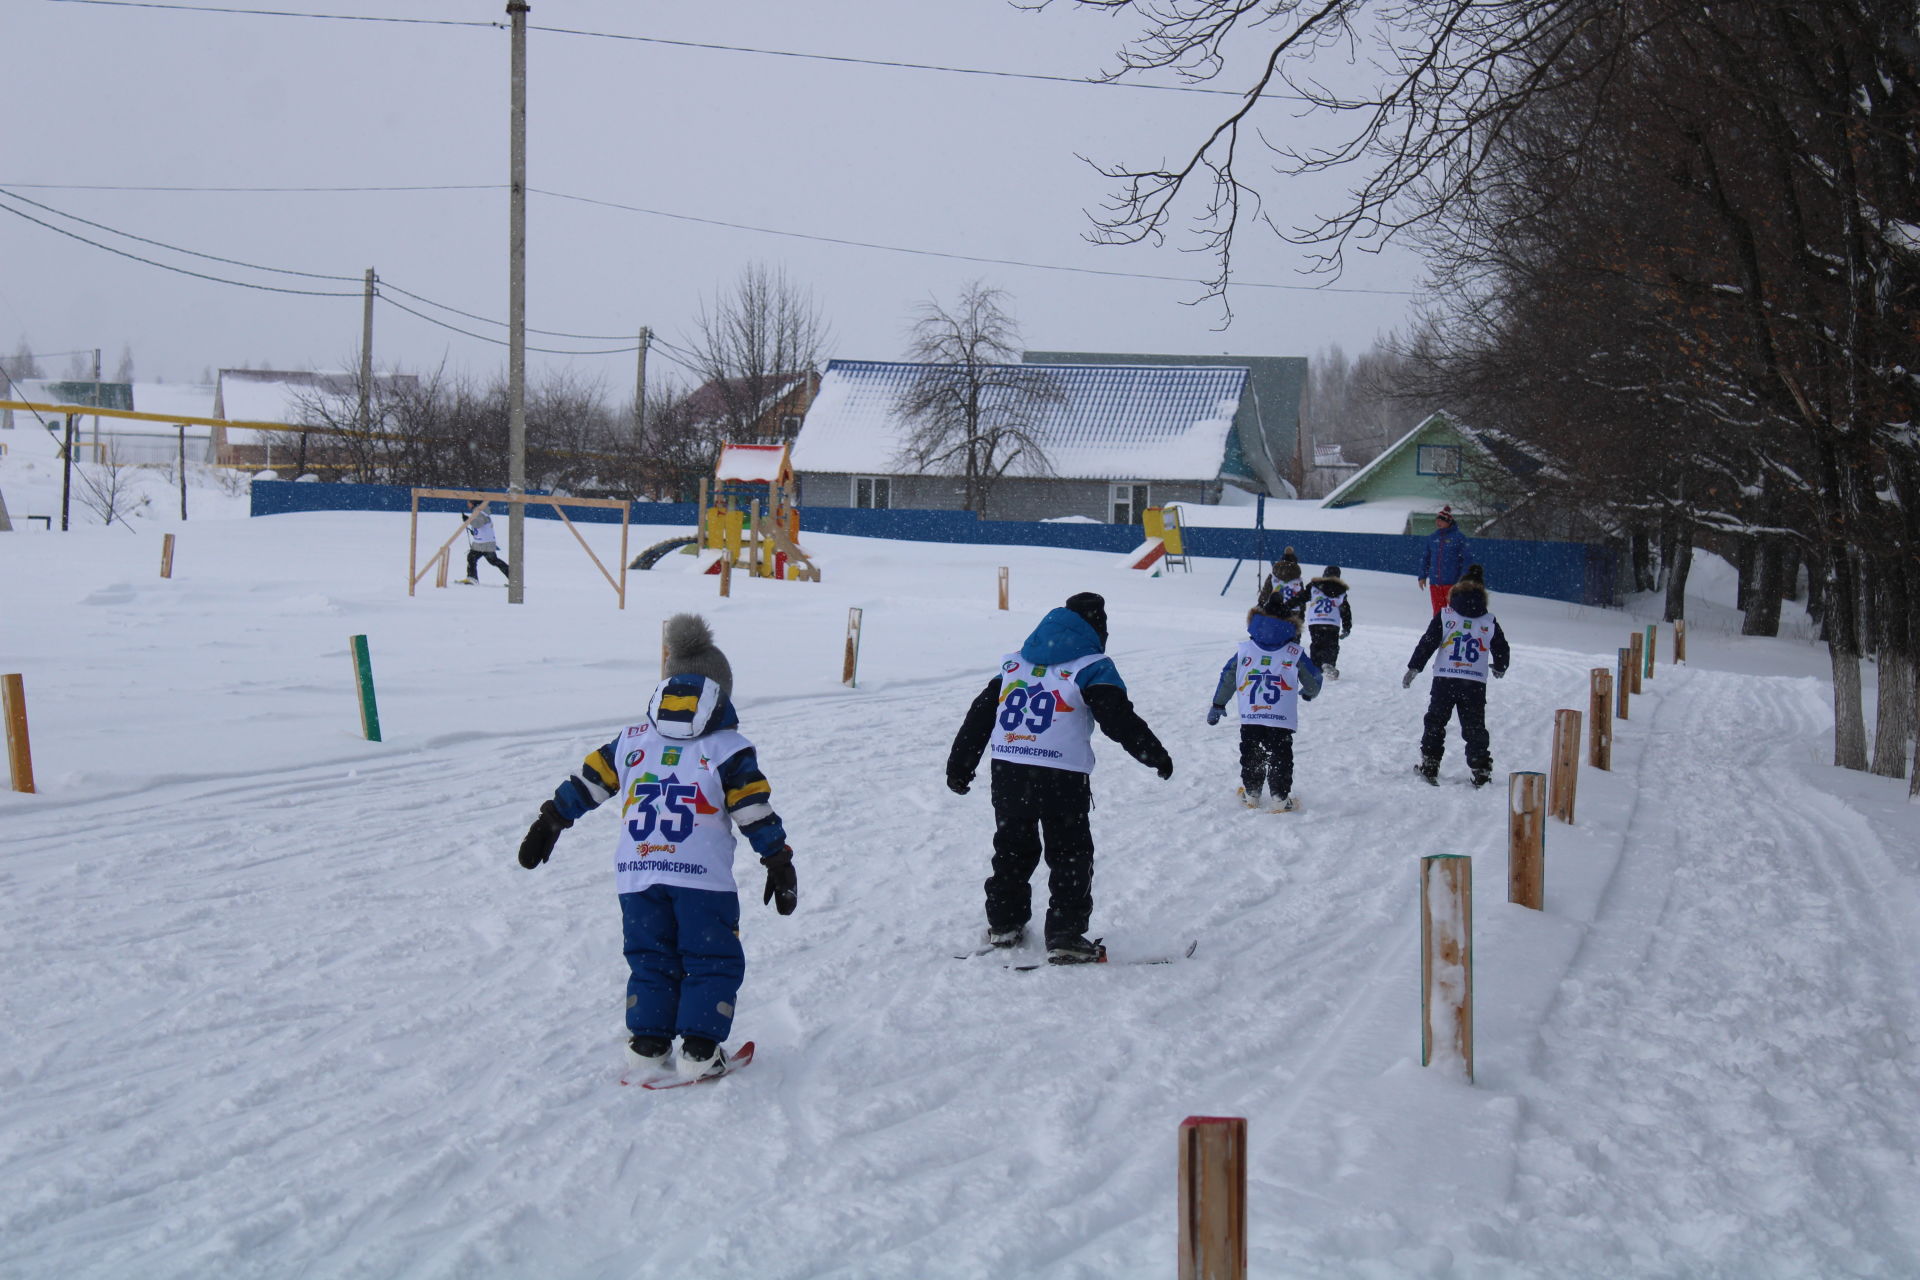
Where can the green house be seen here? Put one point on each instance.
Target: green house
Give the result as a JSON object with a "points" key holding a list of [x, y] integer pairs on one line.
{"points": [[1429, 468]]}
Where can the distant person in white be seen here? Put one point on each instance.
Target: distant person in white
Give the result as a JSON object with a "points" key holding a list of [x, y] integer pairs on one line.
{"points": [[481, 544]]}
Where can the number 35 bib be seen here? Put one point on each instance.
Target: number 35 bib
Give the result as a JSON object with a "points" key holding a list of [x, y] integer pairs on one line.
{"points": [[1043, 716], [674, 827]]}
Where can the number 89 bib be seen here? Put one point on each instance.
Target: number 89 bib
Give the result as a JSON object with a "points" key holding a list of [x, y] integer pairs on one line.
{"points": [[1042, 717]]}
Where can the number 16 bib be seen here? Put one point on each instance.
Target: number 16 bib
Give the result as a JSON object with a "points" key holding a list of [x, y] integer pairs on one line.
{"points": [[1042, 718], [1466, 646]]}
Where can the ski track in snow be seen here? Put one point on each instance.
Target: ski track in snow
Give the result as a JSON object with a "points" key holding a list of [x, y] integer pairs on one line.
{"points": [[317, 1022]]}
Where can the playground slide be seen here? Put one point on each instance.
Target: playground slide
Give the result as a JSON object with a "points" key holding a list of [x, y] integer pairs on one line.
{"points": [[1149, 555]]}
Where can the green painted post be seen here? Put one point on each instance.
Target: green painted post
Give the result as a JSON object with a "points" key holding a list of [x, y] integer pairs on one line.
{"points": [[363, 675]]}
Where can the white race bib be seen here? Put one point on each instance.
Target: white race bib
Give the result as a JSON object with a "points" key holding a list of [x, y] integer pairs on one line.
{"points": [[1043, 718]]}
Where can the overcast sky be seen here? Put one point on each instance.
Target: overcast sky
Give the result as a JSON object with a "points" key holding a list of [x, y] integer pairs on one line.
{"points": [[939, 163]]}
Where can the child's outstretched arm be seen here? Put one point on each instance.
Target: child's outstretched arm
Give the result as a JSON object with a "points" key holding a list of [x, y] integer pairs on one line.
{"points": [[581, 793], [1310, 680], [749, 799], [1502, 654], [964, 756]]}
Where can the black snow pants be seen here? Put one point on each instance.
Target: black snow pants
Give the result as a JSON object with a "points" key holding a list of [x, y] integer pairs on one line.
{"points": [[1041, 812], [475, 555], [1325, 646], [1469, 698], [1266, 759]]}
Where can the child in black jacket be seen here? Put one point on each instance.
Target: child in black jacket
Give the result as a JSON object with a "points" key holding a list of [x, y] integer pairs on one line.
{"points": [[1465, 642]]}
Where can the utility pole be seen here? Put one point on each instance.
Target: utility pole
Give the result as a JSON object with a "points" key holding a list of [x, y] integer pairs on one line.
{"points": [[183, 471], [517, 313], [640, 384], [96, 404], [66, 475], [366, 356]]}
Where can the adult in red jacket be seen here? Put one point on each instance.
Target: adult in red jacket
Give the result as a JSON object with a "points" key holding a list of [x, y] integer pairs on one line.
{"points": [[1444, 558]]}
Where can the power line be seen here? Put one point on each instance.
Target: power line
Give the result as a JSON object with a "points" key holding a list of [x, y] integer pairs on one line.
{"points": [[499, 342], [710, 46], [957, 257], [199, 275], [160, 244], [550, 333], [98, 186], [283, 13]]}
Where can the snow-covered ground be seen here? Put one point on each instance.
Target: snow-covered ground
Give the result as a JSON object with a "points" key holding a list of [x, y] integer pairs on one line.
{"points": [[280, 1002]]}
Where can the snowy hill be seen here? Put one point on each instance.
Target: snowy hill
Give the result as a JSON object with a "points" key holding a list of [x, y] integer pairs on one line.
{"points": [[279, 1001]]}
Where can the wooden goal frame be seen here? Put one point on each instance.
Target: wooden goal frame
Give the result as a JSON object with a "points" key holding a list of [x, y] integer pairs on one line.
{"points": [[416, 571]]}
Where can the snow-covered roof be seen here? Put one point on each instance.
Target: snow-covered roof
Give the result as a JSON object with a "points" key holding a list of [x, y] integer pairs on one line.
{"points": [[1388, 515], [1116, 422], [750, 463], [191, 399], [280, 395]]}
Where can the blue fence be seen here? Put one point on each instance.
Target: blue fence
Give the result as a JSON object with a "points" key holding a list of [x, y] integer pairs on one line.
{"points": [[1572, 571]]}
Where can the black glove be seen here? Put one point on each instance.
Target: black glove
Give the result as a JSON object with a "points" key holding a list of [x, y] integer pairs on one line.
{"points": [[1214, 714], [1345, 632], [1499, 673], [958, 783], [1162, 764], [538, 844], [783, 887], [1406, 681]]}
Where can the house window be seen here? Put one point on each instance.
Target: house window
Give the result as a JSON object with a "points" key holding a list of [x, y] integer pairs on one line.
{"points": [[789, 425], [1128, 502], [874, 492], [1438, 460]]}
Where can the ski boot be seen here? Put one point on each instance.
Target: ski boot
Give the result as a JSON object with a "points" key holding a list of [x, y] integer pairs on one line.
{"points": [[700, 1058], [1251, 799], [1007, 937], [1072, 949], [1283, 804], [1482, 773], [1429, 770], [1331, 672], [649, 1054]]}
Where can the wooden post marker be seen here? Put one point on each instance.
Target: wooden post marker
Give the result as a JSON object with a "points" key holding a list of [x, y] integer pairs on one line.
{"points": [[1213, 1198], [440, 570], [13, 695], [1526, 839], [1636, 648], [363, 676], [1653, 640], [726, 577], [1679, 640], [1565, 780], [166, 556], [1003, 587], [1446, 962], [1600, 719], [1623, 683], [850, 668]]}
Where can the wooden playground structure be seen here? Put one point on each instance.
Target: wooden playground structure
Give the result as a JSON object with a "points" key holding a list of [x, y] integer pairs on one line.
{"points": [[750, 515], [437, 562]]}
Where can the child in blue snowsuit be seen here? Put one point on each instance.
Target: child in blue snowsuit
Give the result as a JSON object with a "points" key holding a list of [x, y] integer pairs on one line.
{"points": [[1268, 675], [686, 778]]}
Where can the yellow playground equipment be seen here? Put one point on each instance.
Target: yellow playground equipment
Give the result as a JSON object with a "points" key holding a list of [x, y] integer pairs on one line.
{"points": [[750, 514]]}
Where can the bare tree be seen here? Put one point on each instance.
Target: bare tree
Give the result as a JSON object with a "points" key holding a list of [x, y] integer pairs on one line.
{"points": [[975, 410], [753, 343]]}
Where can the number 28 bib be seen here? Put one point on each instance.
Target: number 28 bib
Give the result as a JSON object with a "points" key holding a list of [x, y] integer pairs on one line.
{"points": [[1043, 717]]}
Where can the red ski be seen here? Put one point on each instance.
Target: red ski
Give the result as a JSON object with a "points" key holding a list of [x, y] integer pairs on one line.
{"points": [[736, 1060]]}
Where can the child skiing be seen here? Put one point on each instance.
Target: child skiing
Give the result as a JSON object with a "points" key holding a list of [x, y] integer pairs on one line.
{"points": [[1268, 674], [686, 777], [1465, 642], [1039, 710], [1285, 582], [1329, 620], [481, 543]]}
